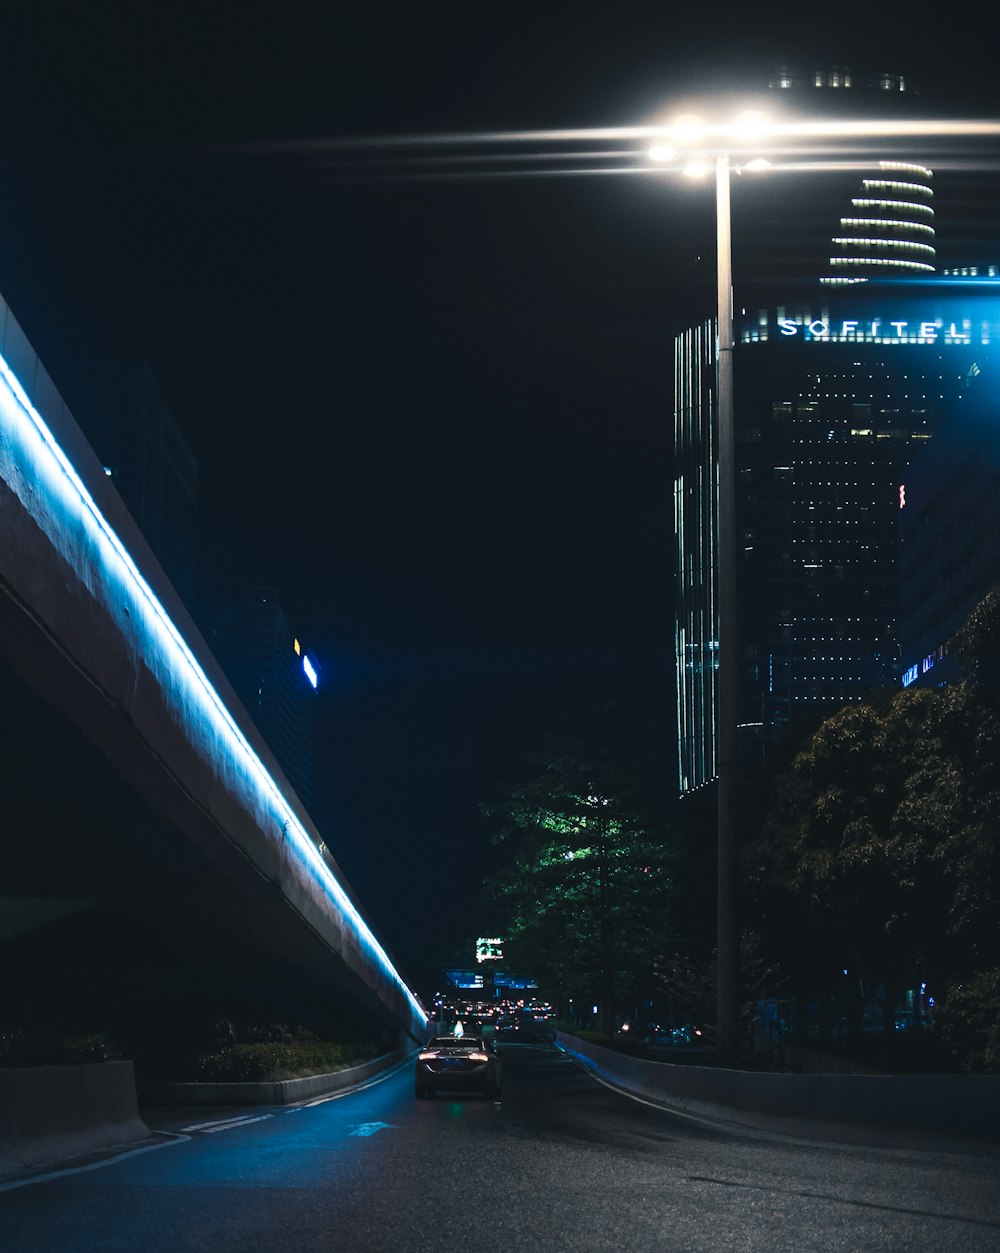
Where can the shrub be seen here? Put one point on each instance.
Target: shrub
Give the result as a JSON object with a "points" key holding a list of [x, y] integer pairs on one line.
{"points": [[271, 1060], [50, 1048], [967, 1019]]}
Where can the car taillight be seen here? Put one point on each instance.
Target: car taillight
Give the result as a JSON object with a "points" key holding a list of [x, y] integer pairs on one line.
{"points": [[479, 1057], [426, 1057]]}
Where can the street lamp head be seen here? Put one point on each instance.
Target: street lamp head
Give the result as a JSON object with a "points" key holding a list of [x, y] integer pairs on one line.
{"points": [[688, 130], [706, 140], [751, 126]]}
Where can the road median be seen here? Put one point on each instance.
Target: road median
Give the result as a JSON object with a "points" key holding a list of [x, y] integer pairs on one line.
{"points": [[275, 1091], [906, 1110]]}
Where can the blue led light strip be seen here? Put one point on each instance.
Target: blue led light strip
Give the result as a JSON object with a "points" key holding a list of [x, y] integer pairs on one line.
{"points": [[92, 517]]}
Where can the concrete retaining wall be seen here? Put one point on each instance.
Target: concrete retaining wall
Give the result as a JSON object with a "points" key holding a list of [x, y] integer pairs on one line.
{"points": [[279, 1092], [897, 1106], [53, 1112]]}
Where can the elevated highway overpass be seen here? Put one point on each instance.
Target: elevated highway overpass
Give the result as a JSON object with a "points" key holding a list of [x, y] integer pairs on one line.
{"points": [[151, 840]]}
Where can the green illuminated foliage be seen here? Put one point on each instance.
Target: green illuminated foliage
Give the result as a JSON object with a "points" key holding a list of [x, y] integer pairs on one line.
{"points": [[589, 891]]}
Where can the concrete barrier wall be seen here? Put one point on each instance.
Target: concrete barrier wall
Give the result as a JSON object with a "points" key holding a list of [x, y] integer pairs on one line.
{"points": [[960, 1106], [53, 1112], [278, 1092]]}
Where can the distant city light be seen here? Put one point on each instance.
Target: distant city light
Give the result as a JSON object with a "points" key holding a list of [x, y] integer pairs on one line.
{"points": [[489, 949], [308, 667]]}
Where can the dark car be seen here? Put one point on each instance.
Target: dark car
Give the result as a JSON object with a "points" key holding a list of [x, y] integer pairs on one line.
{"points": [[465, 1063], [507, 1027]]}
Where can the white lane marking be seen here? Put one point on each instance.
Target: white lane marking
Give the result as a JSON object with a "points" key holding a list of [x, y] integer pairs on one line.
{"points": [[173, 1137], [322, 1100], [370, 1128], [218, 1122], [358, 1087], [231, 1126], [108, 1161]]}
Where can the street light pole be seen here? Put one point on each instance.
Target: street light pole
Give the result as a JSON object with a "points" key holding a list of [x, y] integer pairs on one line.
{"points": [[727, 643], [727, 945]]}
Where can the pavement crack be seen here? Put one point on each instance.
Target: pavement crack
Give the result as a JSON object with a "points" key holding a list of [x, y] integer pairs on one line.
{"points": [[845, 1200]]}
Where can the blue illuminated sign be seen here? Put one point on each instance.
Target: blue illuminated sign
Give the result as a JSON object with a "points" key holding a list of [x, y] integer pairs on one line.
{"points": [[518, 982], [882, 330], [464, 979]]}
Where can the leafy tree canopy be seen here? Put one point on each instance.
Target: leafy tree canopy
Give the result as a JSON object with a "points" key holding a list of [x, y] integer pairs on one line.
{"points": [[882, 839], [589, 892]]}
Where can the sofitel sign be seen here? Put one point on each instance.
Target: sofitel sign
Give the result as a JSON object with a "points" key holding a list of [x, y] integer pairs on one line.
{"points": [[882, 330]]}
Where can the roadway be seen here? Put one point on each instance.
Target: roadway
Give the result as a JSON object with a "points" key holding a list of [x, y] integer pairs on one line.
{"points": [[563, 1163]]}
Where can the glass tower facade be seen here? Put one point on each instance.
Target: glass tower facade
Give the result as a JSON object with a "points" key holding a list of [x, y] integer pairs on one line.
{"points": [[950, 531], [834, 396], [696, 488]]}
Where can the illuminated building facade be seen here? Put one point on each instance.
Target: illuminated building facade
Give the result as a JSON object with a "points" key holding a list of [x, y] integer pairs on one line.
{"points": [[888, 229], [274, 678], [834, 395]]}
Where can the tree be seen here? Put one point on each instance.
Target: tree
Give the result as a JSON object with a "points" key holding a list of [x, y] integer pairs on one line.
{"points": [[879, 852], [862, 865], [588, 894]]}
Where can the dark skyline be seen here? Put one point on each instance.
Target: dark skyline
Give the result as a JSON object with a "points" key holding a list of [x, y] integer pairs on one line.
{"points": [[434, 413]]}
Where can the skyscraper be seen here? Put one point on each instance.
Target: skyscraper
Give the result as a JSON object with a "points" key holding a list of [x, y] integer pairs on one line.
{"points": [[950, 531], [833, 400], [838, 383]]}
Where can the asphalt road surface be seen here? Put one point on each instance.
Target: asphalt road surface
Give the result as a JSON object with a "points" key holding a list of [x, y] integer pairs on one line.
{"points": [[563, 1163]]}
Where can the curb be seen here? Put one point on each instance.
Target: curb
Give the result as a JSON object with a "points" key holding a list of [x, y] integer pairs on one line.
{"points": [[276, 1092]]}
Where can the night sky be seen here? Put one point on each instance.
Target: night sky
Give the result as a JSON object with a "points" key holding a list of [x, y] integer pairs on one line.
{"points": [[430, 401]]}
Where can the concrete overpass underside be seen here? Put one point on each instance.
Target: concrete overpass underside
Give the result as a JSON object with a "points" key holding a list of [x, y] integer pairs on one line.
{"points": [[155, 860], [111, 921]]}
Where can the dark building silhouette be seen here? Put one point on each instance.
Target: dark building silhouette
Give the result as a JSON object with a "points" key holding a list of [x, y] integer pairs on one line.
{"points": [[950, 531], [130, 427], [833, 401], [274, 677]]}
